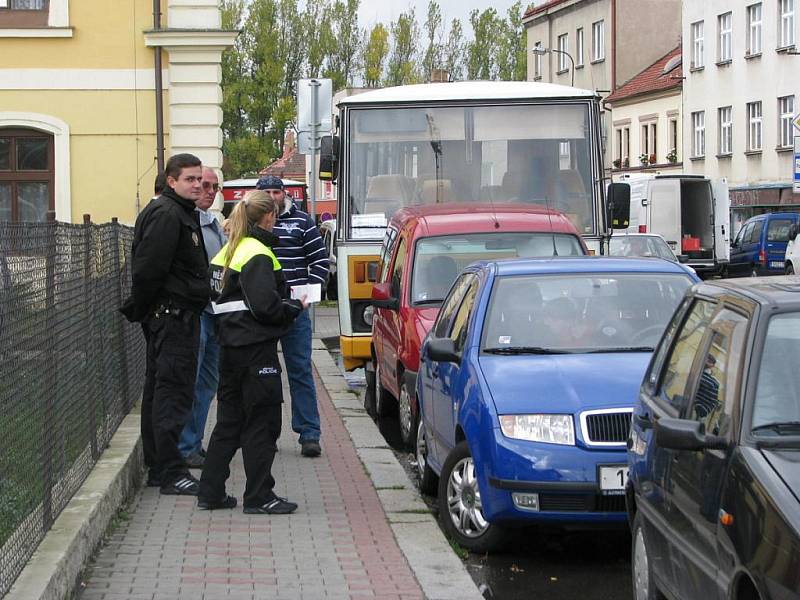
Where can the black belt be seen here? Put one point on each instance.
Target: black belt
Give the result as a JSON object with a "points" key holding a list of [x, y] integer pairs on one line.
{"points": [[174, 311]]}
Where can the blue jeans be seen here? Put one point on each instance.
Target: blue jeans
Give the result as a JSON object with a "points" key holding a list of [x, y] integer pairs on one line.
{"points": [[205, 387], [296, 346]]}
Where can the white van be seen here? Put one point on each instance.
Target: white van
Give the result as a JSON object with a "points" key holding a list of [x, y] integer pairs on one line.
{"points": [[691, 212]]}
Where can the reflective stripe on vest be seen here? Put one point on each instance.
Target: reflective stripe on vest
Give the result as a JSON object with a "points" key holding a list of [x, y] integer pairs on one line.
{"points": [[248, 248]]}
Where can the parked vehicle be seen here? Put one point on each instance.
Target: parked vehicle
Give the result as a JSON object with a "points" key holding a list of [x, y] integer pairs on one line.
{"points": [[690, 212], [642, 245], [760, 245], [526, 385], [424, 249], [714, 448], [235, 189], [327, 229]]}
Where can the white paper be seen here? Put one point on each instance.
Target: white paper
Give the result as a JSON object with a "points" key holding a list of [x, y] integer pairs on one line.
{"points": [[312, 292]]}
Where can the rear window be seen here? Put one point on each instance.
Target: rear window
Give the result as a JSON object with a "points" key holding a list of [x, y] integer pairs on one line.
{"points": [[778, 230]]}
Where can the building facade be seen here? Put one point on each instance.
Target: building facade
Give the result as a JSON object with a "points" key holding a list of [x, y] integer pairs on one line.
{"points": [[77, 102], [740, 96], [646, 119], [609, 41]]}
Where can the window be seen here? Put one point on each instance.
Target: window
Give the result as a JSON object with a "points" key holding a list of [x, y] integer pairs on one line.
{"points": [[679, 364], [451, 304], [754, 126], [644, 142], [563, 50], [626, 146], [754, 29], [537, 63], [755, 233], [461, 320], [579, 47], [709, 399], [23, 13], [598, 42], [786, 112], [397, 268], [673, 137], [697, 45], [648, 141], [725, 130], [26, 175], [786, 26], [699, 129], [724, 52]]}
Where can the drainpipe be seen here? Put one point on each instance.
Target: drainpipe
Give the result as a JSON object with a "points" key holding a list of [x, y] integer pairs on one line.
{"points": [[613, 45], [159, 91]]}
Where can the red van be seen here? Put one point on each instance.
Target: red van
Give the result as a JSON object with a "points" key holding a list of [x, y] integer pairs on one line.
{"points": [[235, 189], [424, 250]]}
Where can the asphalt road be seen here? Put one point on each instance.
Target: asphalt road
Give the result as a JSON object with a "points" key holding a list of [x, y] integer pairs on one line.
{"points": [[537, 563]]}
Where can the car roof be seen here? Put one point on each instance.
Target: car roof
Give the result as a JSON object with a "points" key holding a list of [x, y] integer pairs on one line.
{"points": [[251, 182], [481, 217], [582, 264], [773, 291], [624, 234]]}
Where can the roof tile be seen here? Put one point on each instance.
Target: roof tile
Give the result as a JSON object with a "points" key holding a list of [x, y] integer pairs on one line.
{"points": [[652, 79]]}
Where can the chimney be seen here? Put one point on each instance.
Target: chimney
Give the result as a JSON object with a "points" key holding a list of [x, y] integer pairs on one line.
{"points": [[289, 143]]}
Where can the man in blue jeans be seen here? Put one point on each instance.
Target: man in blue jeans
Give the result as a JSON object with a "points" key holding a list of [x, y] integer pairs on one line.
{"points": [[191, 441], [304, 259]]}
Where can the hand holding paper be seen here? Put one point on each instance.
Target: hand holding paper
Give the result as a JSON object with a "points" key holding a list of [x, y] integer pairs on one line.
{"points": [[311, 291]]}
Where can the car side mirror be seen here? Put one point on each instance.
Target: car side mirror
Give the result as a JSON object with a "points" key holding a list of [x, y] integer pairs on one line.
{"points": [[328, 157], [682, 258], [443, 350], [685, 434], [618, 200], [382, 296]]}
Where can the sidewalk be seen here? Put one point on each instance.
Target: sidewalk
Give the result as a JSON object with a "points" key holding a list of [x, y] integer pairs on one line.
{"points": [[360, 530]]}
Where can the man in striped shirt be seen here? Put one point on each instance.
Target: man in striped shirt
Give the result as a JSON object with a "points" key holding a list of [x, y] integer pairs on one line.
{"points": [[304, 260]]}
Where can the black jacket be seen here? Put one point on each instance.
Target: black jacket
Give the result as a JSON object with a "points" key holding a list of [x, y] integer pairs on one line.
{"points": [[169, 259], [254, 277]]}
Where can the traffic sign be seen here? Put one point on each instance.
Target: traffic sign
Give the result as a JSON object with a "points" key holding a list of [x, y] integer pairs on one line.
{"points": [[796, 122], [796, 182]]}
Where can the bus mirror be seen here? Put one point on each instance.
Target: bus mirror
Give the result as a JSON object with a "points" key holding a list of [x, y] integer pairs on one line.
{"points": [[328, 157], [618, 200]]}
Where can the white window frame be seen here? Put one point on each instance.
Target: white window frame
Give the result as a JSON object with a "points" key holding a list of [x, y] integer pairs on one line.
{"points": [[698, 59], [579, 47], [537, 63], [563, 47], [755, 126], [786, 23], [57, 23], [725, 26], [785, 118], [725, 142], [598, 41], [672, 136], [699, 134], [754, 29]]}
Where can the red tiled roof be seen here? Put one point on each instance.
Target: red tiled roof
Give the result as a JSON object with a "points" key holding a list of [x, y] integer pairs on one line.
{"points": [[541, 8], [652, 79], [290, 166]]}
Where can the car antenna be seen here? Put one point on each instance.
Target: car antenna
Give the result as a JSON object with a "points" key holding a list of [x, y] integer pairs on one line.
{"points": [[494, 215], [550, 221]]}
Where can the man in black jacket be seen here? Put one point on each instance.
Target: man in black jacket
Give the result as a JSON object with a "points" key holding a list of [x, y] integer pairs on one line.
{"points": [[170, 290]]}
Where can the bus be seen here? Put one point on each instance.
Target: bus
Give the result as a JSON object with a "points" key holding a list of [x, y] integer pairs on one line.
{"points": [[473, 141]]}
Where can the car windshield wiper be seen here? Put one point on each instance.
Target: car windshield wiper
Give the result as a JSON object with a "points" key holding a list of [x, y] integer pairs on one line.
{"points": [[622, 349], [787, 427], [525, 350], [428, 301]]}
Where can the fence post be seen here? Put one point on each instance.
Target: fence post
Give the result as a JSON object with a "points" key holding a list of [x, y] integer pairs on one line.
{"points": [[48, 437], [91, 354], [122, 350]]}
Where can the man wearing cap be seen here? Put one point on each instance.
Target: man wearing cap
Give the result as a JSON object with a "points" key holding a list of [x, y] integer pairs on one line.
{"points": [[304, 260]]}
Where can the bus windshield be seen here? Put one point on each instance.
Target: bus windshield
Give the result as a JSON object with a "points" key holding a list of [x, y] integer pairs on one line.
{"points": [[535, 154]]}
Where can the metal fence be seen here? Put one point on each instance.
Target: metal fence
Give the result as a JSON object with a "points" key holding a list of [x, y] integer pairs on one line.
{"points": [[71, 367]]}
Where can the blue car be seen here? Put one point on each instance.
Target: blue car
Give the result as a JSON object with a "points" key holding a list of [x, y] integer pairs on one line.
{"points": [[760, 245], [526, 386]]}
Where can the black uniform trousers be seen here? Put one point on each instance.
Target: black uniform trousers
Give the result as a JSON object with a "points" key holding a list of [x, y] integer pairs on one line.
{"points": [[248, 417], [171, 371]]}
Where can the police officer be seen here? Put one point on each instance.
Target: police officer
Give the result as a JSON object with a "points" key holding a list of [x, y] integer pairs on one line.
{"points": [[252, 311], [169, 291]]}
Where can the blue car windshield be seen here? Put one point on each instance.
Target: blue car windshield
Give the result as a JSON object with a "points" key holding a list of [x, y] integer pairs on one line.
{"points": [[580, 312], [777, 400]]}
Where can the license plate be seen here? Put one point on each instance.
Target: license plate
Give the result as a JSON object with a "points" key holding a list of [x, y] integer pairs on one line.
{"points": [[613, 479], [776, 264]]}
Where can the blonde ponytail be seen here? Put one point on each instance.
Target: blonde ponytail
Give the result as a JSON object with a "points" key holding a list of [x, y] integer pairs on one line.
{"points": [[248, 212]]}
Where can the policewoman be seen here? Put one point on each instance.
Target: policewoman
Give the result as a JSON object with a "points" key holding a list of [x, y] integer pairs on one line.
{"points": [[252, 308]]}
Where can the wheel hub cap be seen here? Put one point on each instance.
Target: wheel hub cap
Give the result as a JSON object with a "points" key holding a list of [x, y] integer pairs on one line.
{"points": [[404, 406], [464, 500]]}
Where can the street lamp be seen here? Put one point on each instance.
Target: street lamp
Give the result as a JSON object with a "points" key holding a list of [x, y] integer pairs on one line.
{"points": [[540, 50]]}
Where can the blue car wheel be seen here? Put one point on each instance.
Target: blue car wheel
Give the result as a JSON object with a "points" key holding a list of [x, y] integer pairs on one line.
{"points": [[460, 506], [644, 588], [427, 478]]}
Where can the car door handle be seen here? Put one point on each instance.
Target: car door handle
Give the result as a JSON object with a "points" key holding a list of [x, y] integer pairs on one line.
{"points": [[643, 421]]}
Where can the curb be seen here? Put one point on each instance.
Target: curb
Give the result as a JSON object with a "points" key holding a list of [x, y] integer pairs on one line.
{"points": [[52, 571], [440, 573]]}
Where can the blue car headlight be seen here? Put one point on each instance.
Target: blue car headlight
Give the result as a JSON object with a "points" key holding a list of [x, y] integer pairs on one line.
{"points": [[551, 429]]}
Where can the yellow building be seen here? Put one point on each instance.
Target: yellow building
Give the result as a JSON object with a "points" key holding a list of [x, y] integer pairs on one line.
{"points": [[78, 103]]}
